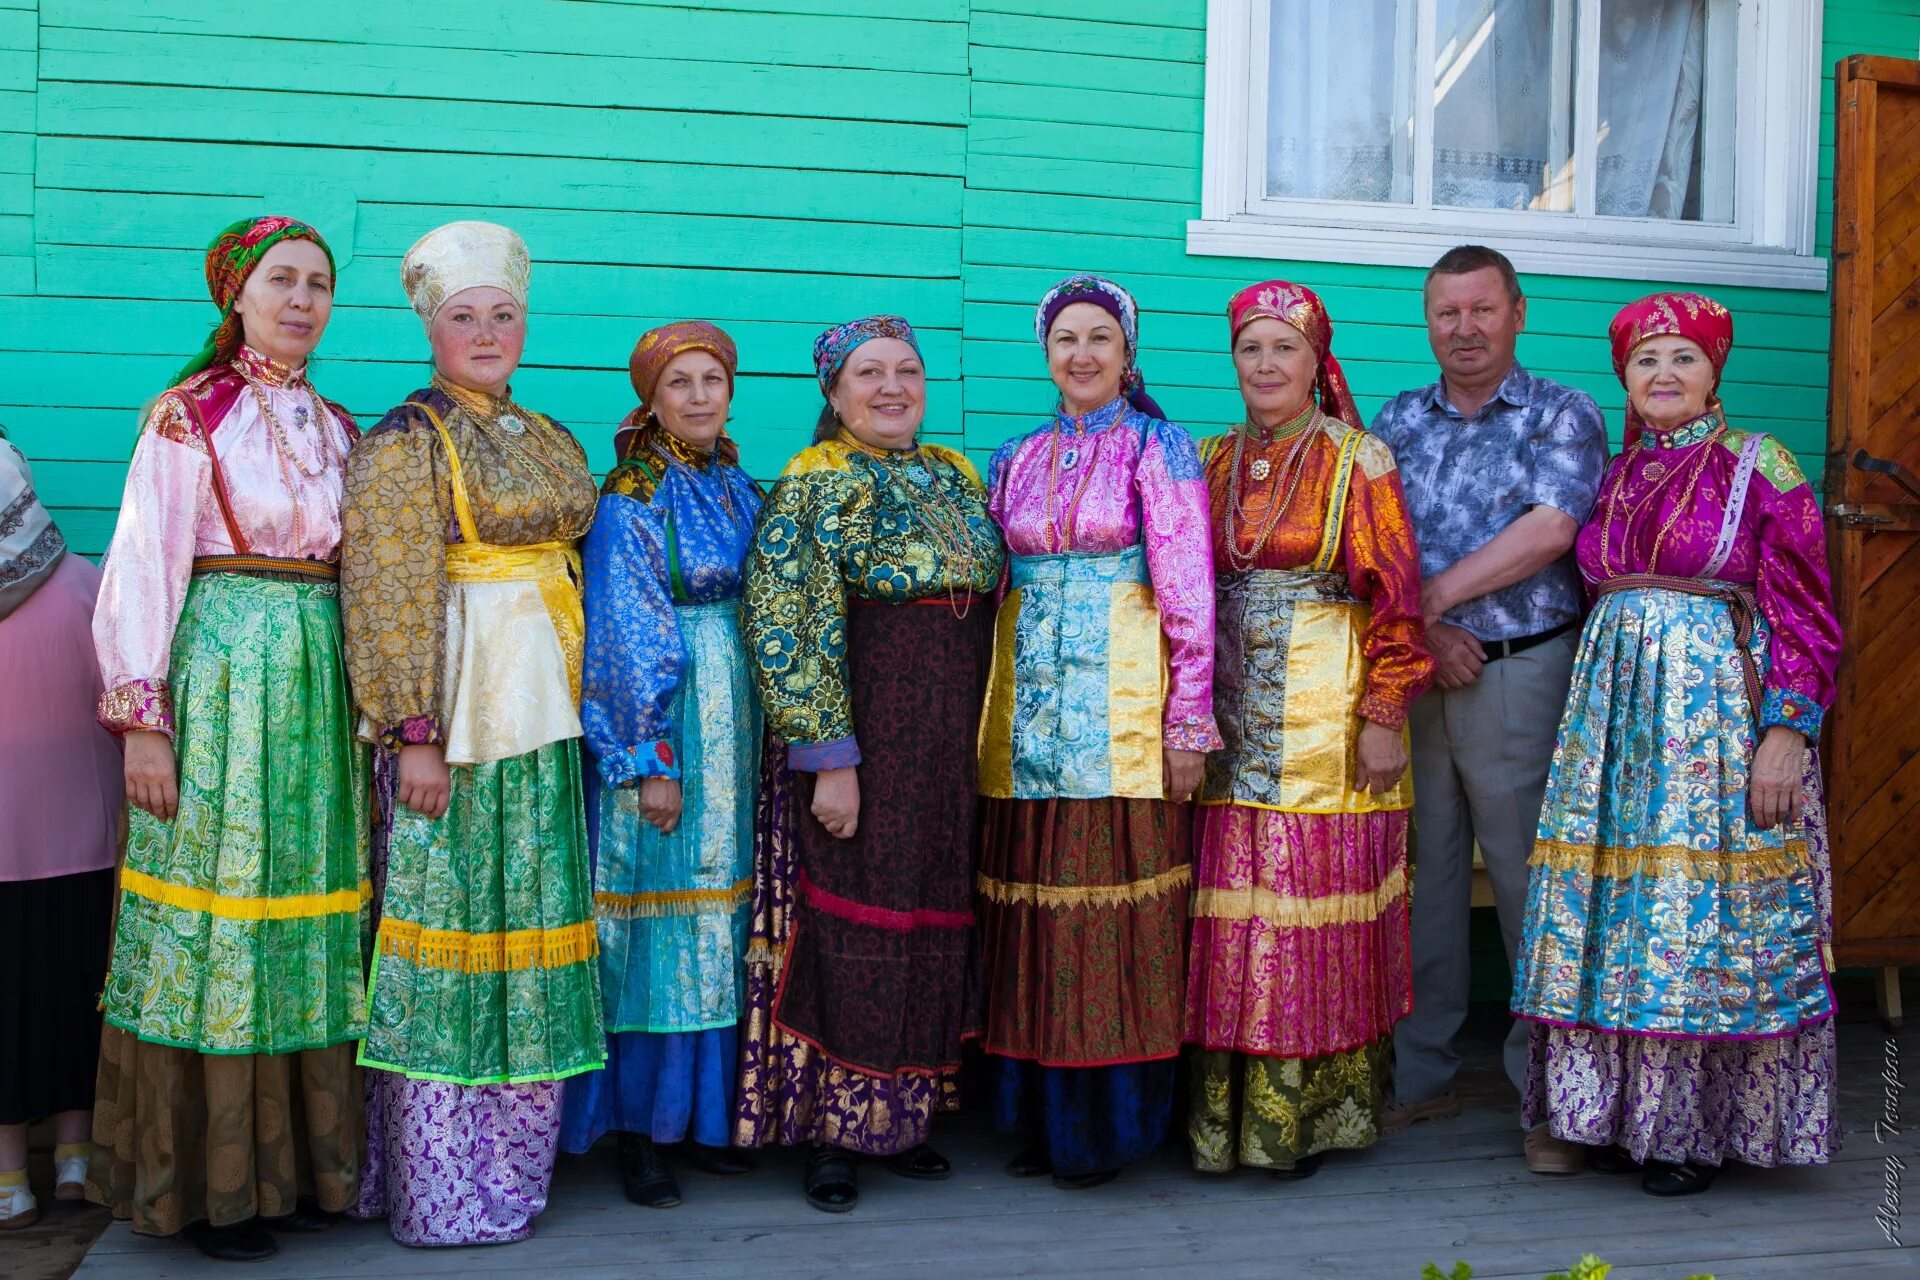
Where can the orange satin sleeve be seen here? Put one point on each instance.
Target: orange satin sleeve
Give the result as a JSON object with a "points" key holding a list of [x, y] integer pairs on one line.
{"points": [[1382, 563]]}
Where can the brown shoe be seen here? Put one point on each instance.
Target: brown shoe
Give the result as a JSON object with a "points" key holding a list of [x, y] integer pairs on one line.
{"points": [[1548, 1154], [1401, 1114]]}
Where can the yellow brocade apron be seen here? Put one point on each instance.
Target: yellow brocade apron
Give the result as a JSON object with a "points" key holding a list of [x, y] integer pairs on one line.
{"points": [[516, 636]]}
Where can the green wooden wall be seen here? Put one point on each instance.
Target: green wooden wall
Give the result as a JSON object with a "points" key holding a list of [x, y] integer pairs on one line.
{"points": [[774, 165]]}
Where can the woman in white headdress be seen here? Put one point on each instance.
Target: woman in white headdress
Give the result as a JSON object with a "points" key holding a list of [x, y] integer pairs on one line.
{"points": [[464, 628]]}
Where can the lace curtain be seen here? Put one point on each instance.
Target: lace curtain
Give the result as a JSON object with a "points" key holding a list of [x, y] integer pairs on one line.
{"points": [[1339, 103]]}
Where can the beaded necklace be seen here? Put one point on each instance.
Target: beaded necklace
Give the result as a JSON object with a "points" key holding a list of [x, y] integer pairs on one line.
{"points": [[941, 516], [1059, 534], [1292, 468], [1689, 473]]}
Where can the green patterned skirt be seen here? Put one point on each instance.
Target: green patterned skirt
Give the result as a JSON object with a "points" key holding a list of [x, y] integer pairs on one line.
{"points": [[1271, 1113], [242, 921], [486, 965]]}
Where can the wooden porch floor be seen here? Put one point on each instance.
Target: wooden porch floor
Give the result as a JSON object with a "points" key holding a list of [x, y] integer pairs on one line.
{"points": [[1447, 1190]]}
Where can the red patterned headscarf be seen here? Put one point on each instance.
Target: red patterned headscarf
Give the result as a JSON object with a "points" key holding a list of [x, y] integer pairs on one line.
{"points": [[1300, 307], [231, 258], [1693, 316], [651, 356]]}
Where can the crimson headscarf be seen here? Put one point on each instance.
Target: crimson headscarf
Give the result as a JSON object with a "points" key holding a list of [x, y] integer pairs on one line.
{"points": [[1683, 315], [651, 356], [231, 258], [1300, 307]]}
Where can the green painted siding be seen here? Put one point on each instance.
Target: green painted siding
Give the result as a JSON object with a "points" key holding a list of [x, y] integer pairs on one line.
{"points": [[775, 165]]}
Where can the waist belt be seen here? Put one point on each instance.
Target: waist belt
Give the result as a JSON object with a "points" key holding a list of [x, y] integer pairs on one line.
{"points": [[1126, 565], [276, 568], [485, 562], [1739, 601], [1520, 644]]}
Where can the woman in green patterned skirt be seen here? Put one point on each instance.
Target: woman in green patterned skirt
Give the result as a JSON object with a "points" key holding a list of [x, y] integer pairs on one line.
{"points": [[228, 1100], [464, 636]]}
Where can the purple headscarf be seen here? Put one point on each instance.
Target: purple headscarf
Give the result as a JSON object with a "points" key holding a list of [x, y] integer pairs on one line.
{"points": [[831, 349], [1119, 304]]}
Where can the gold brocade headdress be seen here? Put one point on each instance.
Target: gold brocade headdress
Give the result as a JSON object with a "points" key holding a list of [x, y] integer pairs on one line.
{"points": [[460, 256]]}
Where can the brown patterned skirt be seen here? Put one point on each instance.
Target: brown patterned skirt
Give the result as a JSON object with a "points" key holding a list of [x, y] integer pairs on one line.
{"points": [[1083, 908], [879, 973], [181, 1137]]}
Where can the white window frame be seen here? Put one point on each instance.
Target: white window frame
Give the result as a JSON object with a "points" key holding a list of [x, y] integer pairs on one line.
{"points": [[1769, 244]]}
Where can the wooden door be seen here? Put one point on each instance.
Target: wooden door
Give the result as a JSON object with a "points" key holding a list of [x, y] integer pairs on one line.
{"points": [[1873, 525]]}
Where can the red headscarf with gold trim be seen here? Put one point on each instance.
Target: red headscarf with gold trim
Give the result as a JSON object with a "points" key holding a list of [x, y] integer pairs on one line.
{"points": [[231, 258], [1693, 316], [1300, 307]]}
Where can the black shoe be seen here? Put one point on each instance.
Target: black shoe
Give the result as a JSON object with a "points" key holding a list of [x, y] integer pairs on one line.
{"points": [[831, 1184], [1304, 1167], [1034, 1162], [1612, 1160], [722, 1162], [1082, 1181], [1664, 1179], [241, 1242], [644, 1174], [307, 1218], [921, 1163]]}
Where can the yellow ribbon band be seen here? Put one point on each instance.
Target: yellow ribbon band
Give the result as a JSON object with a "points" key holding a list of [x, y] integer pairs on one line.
{"points": [[1091, 895], [1288, 912], [298, 906]]}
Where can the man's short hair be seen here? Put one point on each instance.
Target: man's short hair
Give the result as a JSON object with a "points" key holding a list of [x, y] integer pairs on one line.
{"points": [[1465, 259]]}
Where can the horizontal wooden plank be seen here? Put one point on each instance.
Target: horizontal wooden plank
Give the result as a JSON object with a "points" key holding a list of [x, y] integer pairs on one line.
{"points": [[647, 185], [445, 124], [16, 153], [588, 76], [1187, 15], [1093, 103], [19, 28], [145, 220], [607, 289], [1073, 67], [1108, 39], [1056, 141], [696, 33], [1052, 175]]}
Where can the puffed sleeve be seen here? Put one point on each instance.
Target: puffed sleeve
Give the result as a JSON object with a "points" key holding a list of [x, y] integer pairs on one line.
{"points": [[393, 577], [795, 620], [634, 655], [148, 567], [1795, 595], [1174, 524], [1383, 567], [1566, 457]]}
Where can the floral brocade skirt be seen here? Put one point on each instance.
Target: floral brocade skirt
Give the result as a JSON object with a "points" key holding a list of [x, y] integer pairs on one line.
{"points": [[242, 921], [486, 963], [861, 981], [1673, 952]]}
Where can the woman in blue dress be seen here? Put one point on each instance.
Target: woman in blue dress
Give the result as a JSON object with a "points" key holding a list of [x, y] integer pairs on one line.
{"points": [[676, 737]]}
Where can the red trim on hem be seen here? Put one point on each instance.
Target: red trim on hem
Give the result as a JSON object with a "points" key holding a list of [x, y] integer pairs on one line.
{"points": [[1037, 1060], [879, 917], [874, 1073]]}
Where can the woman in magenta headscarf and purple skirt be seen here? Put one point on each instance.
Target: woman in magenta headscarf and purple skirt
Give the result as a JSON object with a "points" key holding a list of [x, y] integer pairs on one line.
{"points": [[1674, 958]]}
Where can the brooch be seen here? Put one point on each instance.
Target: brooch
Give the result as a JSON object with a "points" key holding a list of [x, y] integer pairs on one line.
{"points": [[1260, 468], [920, 476], [512, 425], [1070, 457]]}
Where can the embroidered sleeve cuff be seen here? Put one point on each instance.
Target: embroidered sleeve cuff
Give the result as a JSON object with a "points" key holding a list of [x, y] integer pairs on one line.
{"points": [[1383, 711], [137, 705], [813, 757], [414, 731], [1194, 734], [642, 760], [1794, 710]]}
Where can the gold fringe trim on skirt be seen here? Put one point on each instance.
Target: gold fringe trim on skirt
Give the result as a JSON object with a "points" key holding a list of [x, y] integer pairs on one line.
{"points": [[760, 951], [673, 902], [1289, 912], [1615, 863], [488, 952], [1065, 897]]}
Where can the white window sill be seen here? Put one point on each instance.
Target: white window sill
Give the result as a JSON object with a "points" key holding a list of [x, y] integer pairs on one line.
{"points": [[1413, 246]]}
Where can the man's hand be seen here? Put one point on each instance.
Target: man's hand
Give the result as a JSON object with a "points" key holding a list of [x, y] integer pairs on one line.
{"points": [[1457, 655]]}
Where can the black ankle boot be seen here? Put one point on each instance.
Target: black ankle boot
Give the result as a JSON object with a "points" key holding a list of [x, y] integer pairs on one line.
{"points": [[238, 1242], [644, 1174]]}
